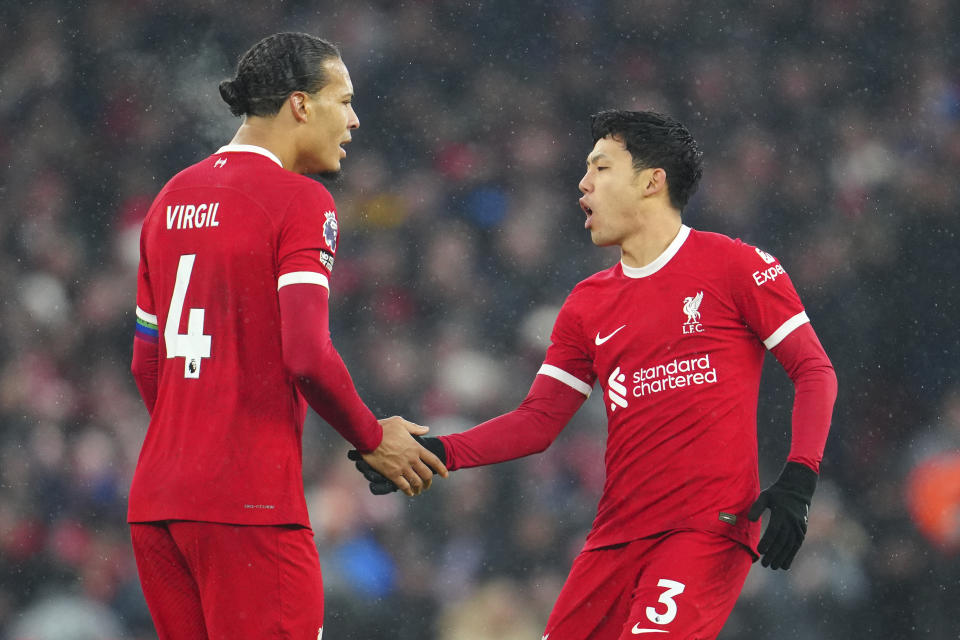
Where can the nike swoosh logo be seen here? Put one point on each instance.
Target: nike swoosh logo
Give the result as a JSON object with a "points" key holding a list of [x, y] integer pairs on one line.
{"points": [[600, 340], [636, 631]]}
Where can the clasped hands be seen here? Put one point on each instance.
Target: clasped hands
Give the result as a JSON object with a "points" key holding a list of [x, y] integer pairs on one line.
{"points": [[403, 460]]}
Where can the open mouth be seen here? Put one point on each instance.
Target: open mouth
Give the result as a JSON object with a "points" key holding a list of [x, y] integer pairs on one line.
{"points": [[587, 210]]}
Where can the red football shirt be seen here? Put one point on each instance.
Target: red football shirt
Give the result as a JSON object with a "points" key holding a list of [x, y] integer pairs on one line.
{"points": [[677, 347], [224, 441]]}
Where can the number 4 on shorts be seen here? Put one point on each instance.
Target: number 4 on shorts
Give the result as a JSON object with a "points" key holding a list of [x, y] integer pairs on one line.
{"points": [[192, 345]]}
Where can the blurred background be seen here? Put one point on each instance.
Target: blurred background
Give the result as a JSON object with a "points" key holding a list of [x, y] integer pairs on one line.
{"points": [[831, 135]]}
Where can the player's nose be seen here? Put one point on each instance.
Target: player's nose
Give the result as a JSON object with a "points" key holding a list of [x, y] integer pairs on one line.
{"points": [[585, 185]]}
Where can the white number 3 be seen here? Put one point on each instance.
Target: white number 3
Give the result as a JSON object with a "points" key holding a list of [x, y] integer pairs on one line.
{"points": [[673, 588], [192, 345]]}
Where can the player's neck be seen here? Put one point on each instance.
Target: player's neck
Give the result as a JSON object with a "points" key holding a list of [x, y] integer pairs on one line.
{"points": [[650, 240], [260, 133]]}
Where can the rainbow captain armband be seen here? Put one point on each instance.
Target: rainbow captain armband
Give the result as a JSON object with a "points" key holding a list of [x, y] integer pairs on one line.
{"points": [[147, 326]]}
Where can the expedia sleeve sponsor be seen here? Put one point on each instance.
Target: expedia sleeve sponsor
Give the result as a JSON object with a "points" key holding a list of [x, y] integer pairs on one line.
{"points": [[768, 275], [762, 291]]}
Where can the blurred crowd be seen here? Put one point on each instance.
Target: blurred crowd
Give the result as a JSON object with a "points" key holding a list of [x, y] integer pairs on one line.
{"points": [[831, 135]]}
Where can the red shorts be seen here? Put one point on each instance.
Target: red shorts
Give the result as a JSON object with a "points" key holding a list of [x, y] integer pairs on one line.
{"points": [[207, 580], [681, 585]]}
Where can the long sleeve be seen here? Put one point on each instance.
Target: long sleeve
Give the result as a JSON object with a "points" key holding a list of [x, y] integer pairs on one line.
{"points": [[815, 384], [528, 429], [146, 370], [319, 372]]}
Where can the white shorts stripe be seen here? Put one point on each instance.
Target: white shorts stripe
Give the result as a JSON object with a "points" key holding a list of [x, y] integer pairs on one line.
{"points": [[146, 317], [566, 378], [786, 329], [303, 277]]}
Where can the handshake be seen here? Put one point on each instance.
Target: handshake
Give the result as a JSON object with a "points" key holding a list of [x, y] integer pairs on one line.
{"points": [[405, 460]]}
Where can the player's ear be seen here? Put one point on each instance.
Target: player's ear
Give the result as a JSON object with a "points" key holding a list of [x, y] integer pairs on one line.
{"points": [[655, 181], [299, 108]]}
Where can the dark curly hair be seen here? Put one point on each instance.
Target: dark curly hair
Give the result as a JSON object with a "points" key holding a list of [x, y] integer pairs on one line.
{"points": [[655, 141], [274, 68]]}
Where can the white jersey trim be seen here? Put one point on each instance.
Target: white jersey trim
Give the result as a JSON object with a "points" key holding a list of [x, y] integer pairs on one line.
{"points": [[786, 329], [249, 148], [146, 317], [303, 277], [662, 259], [566, 378]]}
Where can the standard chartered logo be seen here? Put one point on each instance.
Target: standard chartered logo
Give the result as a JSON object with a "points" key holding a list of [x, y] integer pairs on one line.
{"points": [[616, 391], [676, 374], [687, 372]]}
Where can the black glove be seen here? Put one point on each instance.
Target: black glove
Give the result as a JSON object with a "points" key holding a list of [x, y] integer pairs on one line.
{"points": [[379, 484], [789, 502]]}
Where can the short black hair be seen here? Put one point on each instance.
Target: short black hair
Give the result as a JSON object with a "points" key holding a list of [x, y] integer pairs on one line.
{"points": [[274, 68], [655, 141]]}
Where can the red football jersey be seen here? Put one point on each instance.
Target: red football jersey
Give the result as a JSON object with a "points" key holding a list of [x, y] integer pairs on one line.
{"points": [[224, 441], [677, 347]]}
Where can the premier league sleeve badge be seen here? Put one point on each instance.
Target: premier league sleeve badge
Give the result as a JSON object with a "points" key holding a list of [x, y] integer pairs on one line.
{"points": [[330, 229]]}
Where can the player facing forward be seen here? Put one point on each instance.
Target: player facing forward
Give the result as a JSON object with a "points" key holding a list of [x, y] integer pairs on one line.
{"points": [[675, 334], [232, 342]]}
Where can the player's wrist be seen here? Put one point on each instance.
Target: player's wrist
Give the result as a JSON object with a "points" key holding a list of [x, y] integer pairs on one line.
{"points": [[371, 439], [434, 446], [799, 479]]}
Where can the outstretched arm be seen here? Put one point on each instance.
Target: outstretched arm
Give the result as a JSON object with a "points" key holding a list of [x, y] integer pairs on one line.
{"points": [[559, 389], [528, 429], [323, 379], [317, 369]]}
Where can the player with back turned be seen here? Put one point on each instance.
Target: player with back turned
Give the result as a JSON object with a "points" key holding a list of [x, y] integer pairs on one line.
{"points": [[232, 343], [675, 335]]}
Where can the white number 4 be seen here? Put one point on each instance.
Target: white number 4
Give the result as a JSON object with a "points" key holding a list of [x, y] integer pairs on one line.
{"points": [[192, 345], [673, 588]]}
